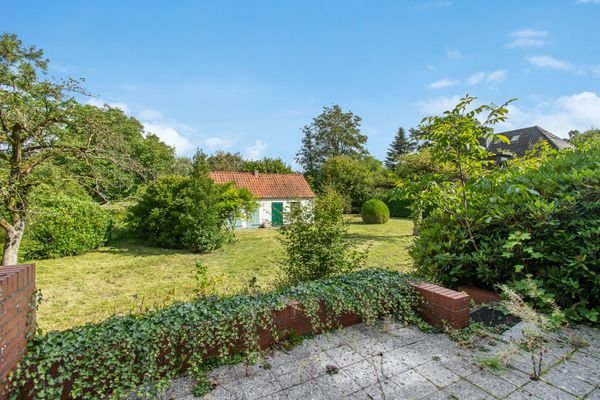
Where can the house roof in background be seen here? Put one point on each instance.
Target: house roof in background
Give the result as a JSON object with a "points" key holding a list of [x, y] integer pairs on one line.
{"points": [[266, 186], [523, 140]]}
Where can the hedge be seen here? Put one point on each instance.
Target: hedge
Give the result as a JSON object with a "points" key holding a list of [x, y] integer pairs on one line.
{"points": [[542, 223], [63, 225], [128, 353]]}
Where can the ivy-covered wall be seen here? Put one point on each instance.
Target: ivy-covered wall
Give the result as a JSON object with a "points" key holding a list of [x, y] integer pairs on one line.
{"points": [[124, 354]]}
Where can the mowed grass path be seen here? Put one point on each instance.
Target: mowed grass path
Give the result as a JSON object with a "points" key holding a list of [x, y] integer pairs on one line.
{"points": [[128, 276]]}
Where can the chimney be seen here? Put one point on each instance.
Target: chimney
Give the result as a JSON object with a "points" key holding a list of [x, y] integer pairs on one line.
{"points": [[255, 172]]}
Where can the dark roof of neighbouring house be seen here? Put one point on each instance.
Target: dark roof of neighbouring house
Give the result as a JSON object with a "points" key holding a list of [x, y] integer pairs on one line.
{"points": [[267, 186], [523, 140]]}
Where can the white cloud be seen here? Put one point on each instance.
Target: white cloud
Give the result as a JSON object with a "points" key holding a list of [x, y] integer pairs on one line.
{"points": [[256, 151], [170, 135], [559, 116], [527, 38], [96, 102], [452, 53], [219, 143], [430, 67], [496, 76], [442, 83], [438, 105], [476, 78], [588, 1], [550, 62]]}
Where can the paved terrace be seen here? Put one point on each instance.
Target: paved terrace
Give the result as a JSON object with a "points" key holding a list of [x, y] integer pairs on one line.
{"points": [[388, 361]]}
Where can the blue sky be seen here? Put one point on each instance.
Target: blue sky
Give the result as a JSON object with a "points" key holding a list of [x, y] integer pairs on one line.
{"points": [[247, 75]]}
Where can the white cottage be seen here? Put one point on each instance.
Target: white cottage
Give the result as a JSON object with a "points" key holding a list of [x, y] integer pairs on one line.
{"points": [[276, 193]]}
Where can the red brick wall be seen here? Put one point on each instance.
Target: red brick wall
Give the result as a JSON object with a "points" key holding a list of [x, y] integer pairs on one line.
{"points": [[443, 307], [480, 296], [17, 287]]}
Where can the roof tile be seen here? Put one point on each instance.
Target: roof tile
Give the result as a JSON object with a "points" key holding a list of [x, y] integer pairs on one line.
{"points": [[266, 186]]}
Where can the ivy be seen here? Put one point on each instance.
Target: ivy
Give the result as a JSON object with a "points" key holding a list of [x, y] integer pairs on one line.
{"points": [[142, 353]]}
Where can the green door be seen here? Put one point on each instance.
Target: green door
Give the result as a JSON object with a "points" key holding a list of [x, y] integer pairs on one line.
{"points": [[277, 213]]}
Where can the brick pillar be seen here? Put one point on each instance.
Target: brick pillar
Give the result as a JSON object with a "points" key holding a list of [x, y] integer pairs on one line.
{"points": [[17, 317], [443, 307]]}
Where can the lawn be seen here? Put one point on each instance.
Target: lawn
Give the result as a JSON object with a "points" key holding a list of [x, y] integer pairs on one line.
{"points": [[128, 276]]}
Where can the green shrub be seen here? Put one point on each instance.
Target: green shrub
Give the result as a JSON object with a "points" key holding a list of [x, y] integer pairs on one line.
{"points": [[542, 222], [180, 212], [64, 226], [375, 212], [143, 352], [399, 207], [316, 243]]}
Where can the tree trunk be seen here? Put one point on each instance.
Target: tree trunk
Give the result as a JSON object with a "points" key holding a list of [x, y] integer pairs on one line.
{"points": [[12, 244]]}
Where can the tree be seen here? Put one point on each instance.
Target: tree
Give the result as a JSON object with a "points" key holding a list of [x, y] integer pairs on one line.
{"points": [[316, 242], [236, 204], [400, 146], [587, 139], [350, 178], [147, 158], [180, 212], [332, 133], [183, 166], [225, 161], [456, 138], [267, 165], [39, 122]]}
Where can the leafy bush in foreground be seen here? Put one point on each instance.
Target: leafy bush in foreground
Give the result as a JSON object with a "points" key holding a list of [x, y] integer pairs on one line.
{"points": [[375, 212], [316, 243], [540, 222], [128, 353], [64, 226]]}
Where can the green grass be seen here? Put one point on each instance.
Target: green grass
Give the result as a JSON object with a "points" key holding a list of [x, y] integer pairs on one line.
{"points": [[128, 277]]}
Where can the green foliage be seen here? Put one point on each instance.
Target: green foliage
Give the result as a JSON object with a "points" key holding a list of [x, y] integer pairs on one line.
{"points": [[225, 161], [357, 179], [236, 204], [143, 352], [493, 363], [399, 207], [182, 166], [316, 243], [62, 225], [401, 145], [585, 140], [267, 165], [114, 179], [180, 212], [43, 126], [542, 221], [375, 212], [330, 134]]}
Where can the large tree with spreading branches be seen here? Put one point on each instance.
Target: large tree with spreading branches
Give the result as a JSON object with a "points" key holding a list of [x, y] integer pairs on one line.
{"points": [[40, 122]]}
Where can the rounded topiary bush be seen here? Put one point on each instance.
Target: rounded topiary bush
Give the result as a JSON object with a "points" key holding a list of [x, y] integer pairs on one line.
{"points": [[375, 212]]}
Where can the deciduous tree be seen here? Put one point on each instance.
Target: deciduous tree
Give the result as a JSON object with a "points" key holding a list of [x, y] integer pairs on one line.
{"points": [[332, 133], [39, 122]]}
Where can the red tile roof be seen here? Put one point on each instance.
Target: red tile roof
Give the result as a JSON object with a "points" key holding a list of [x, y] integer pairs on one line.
{"points": [[267, 186]]}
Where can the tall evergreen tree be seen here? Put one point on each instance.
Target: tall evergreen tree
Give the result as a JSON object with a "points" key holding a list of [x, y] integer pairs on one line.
{"points": [[400, 146]]}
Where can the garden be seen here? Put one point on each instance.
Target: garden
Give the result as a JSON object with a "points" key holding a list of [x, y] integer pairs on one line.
{"points": [[144, 277]]}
